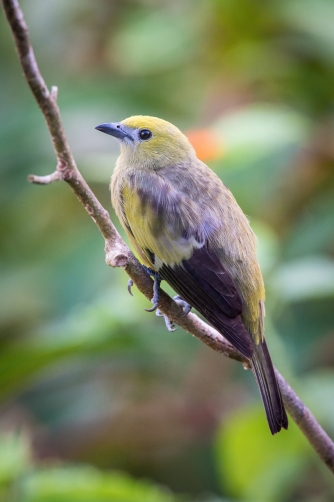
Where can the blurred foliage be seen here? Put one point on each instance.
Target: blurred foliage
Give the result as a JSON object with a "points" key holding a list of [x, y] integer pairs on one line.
{"points": [[59, 484], [98, 400], [273, 469]]}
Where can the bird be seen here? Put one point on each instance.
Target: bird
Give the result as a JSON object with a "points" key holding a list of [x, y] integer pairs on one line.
{"points": [[187, 229]]}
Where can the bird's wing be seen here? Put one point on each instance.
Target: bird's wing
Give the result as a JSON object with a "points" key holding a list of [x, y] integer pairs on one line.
{"points": [[173, 233], [203, 282]]}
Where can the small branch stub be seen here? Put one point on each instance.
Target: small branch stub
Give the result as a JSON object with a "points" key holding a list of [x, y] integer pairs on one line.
{"points": [[62, 173], [45, 180], [116, 258]]}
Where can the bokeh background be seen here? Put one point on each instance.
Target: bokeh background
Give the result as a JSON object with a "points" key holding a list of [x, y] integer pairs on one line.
{"points": [[98, 401]]}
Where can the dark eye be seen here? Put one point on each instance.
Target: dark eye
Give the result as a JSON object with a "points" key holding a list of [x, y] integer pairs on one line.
{"points": [[145, 134]]}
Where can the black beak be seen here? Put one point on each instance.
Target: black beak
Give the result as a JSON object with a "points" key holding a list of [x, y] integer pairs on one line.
{"points": [[115, 129]]}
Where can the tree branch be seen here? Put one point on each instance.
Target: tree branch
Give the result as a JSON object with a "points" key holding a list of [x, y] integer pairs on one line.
{"points": [[118, 254]]}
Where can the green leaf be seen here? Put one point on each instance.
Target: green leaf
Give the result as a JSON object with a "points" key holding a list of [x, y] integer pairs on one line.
{"points": [[304, 279], [252, 463], [314, 19], [152, 42], [87, 484], [259, 130], [14, 457]]}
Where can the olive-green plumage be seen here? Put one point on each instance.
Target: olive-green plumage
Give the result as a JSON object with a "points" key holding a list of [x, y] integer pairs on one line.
{"points": [[185, 224]]}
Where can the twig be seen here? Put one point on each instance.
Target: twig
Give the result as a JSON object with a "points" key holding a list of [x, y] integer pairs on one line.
{"points": [[118, 254], [45, 180]]}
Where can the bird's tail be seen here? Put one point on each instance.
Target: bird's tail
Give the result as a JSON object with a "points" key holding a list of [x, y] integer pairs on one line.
{"points": [[271, 395]]}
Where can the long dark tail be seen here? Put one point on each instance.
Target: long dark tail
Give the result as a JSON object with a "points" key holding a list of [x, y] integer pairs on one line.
{"points": [[271, 395]]}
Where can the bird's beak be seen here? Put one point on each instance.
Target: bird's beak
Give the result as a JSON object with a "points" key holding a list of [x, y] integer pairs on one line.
{"points": [[117, 130]]}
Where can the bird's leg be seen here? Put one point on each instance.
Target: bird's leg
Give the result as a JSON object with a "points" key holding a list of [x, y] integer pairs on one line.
{"points": [[169, 323], [155, 300], [156, 288]]}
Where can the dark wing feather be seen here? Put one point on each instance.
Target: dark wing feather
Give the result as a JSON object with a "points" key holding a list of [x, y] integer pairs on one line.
{"points": [[270, 392], [204, 283]]}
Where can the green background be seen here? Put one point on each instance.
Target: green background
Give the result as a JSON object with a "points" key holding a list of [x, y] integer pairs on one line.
{"points": [[98, 401]]}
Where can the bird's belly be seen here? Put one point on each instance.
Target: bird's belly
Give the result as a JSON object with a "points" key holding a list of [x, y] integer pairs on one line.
{"points": [[153, 234]]}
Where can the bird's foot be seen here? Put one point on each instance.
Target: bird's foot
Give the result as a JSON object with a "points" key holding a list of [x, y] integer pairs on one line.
{"points": [[156, 288], [170, 325], [186, 307]]}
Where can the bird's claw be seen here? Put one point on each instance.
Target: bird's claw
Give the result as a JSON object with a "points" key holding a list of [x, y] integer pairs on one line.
{"points": [[185, 306], [155, 306], [156, 296], [130, 284], [169, 323]]}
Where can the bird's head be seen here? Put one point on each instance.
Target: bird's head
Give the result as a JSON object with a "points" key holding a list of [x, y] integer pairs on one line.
{"points": [[149, 141]]}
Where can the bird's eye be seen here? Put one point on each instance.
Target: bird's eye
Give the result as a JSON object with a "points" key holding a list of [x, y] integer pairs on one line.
{"points": [[145, 134]]}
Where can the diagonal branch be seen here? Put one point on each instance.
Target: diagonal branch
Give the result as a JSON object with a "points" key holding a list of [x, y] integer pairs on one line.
{"points": [[117, 253]]}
